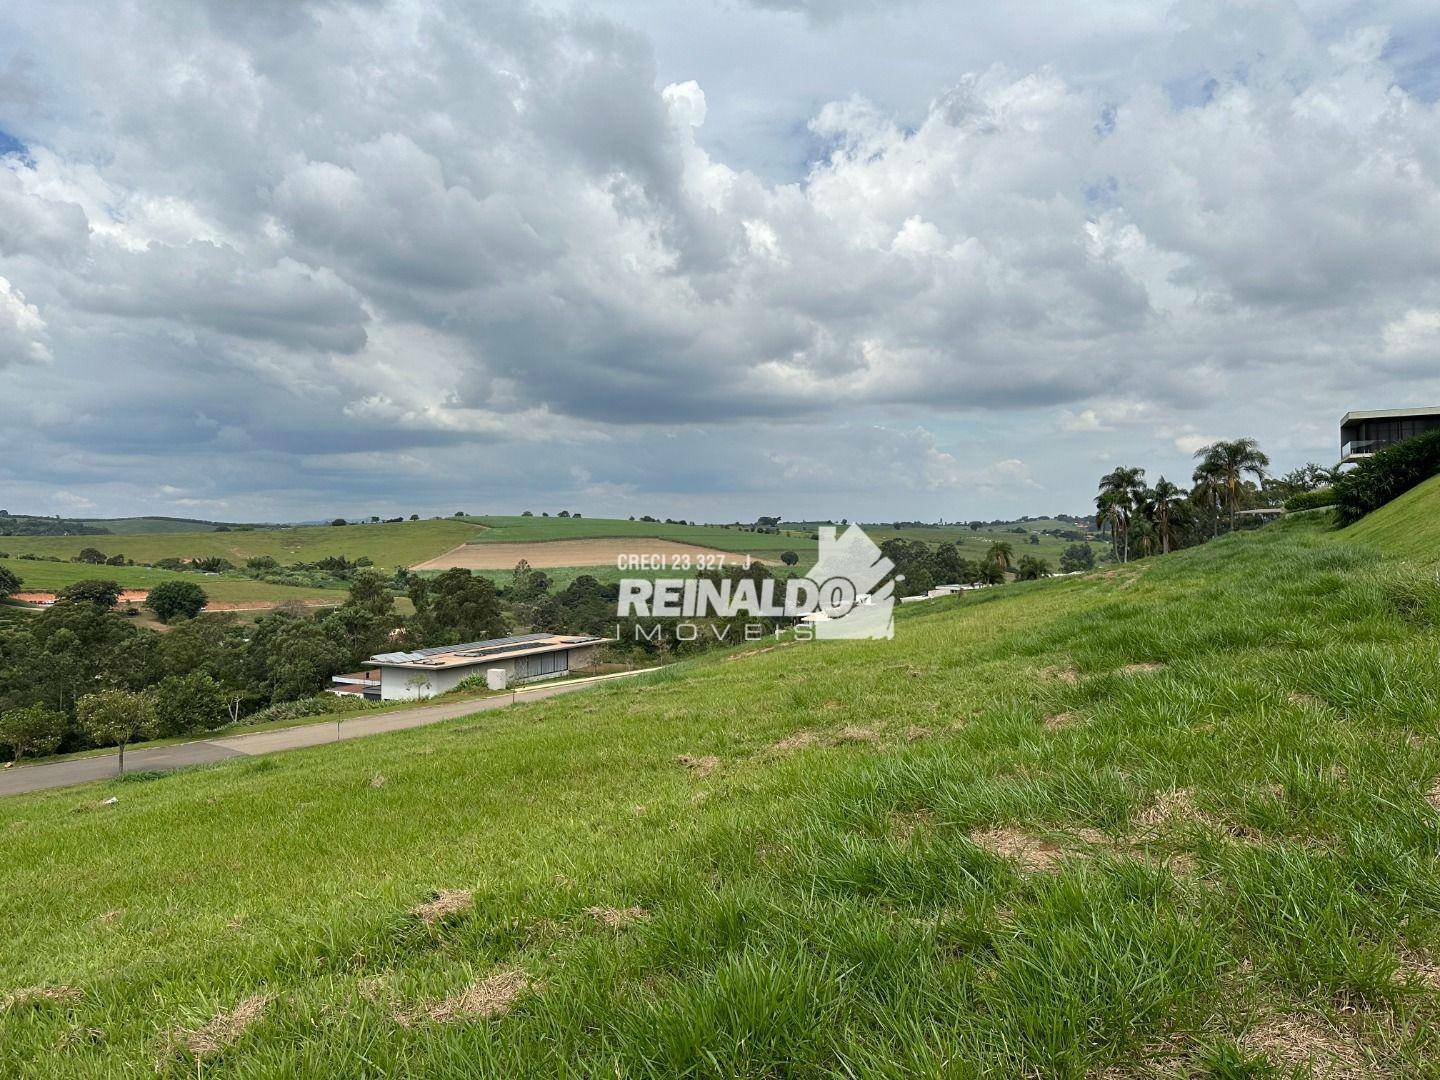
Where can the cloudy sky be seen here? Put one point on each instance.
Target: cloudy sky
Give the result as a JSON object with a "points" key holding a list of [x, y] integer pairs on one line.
{"points": [[860, 258]]}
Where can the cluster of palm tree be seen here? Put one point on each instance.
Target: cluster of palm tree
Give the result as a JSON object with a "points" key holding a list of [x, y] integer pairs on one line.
{"points": [[1143, 519]]}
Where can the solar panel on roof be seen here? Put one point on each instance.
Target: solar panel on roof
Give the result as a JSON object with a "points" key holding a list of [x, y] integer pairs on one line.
{"points": [[470, 648]]}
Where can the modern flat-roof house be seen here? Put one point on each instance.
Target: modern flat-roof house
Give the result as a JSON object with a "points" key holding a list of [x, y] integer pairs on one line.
{"points": [[524, 658], [1363, 433]]}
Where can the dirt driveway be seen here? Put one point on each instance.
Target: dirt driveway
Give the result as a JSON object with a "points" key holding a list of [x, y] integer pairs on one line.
{"points": [[557, 553]]}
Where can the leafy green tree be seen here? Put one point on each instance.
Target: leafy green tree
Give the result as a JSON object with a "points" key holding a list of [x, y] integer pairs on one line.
{"points": [[34, 730], [100, 594], [186, 703], [9, 583], [789, 558], [115, 718], [172, 600], [91, 555], [1077, 557], [462, 607]]}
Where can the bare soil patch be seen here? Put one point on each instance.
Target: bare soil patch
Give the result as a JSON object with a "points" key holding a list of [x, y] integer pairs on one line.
{"points": [[556, 553]]}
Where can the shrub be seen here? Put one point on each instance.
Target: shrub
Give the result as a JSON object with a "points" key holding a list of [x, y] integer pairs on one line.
{"points": [[1387, 475], [186, 703], [35, 730], [1311, 500]]}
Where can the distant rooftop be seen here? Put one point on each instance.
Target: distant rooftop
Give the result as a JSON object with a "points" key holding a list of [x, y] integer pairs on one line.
{"points": [[481, 652]]}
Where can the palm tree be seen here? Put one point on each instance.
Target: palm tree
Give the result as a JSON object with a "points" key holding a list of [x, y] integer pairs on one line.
{"points": [[1124, 484], [1107, 514], [1000, 554], [1229, 460], [1208, 491], [1162, 496], [1032, 569]]}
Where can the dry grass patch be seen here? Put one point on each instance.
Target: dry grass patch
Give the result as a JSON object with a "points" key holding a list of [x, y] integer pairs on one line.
{"points": [[1067, 675], [39, 995], [1308, 1042], [914, 733], [224, 1029], [446, 902], [1060, 720], [1141, 668], [1420, 968], [378, 781], [699, 766], [1433, 795], [492, 996], [904, 824], [1033, 853], [856, 735], [799, 741], [617, 917]]}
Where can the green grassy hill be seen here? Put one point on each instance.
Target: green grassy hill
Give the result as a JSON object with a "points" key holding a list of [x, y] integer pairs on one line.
{"points": [[52, 577], [1408, 527], [1170, 818], [132, 526], [520, 529], [389, 545]]}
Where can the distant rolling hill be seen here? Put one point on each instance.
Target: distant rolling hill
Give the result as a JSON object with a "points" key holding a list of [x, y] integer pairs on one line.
{"points": [[130, 526]]}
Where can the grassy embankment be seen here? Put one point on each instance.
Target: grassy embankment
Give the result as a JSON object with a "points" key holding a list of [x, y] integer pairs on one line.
{"points": [[1174, 815]]}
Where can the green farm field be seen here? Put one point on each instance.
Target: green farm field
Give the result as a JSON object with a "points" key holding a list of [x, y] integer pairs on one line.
{"points": [[388, 545], [520, 529], [1171, 818], [52, 577]]}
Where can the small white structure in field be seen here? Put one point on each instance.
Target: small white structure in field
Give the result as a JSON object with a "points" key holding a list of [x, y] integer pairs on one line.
{"points": [[497, 678]]}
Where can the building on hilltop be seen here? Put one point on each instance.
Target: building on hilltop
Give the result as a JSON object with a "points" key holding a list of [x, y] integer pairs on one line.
{"points": [[424, 673], [1365, 433]]}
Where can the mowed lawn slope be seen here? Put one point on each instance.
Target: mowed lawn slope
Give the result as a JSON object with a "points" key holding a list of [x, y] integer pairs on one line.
{"points": [[52, 577], [1172, 816], [1409, 526], [388, 545]]}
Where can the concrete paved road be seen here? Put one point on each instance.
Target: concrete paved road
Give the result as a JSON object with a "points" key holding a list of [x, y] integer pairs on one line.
{"points": [[355, 726]]}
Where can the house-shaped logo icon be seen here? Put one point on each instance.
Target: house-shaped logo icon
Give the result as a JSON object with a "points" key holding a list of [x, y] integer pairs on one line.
{"points": [[856, 591]]}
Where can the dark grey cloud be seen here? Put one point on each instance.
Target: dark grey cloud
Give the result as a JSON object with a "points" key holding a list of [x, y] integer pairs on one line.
{"points": [[343, 237]]}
